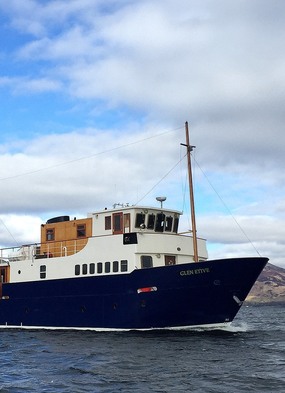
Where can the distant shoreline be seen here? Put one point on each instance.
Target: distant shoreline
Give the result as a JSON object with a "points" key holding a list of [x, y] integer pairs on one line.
{"points": [[264, 303]]}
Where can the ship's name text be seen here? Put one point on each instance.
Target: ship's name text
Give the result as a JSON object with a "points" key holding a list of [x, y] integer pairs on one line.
{"points": [[194, 271]]}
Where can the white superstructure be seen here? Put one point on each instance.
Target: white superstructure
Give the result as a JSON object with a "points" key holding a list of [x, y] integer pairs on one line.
{"points": [[111, 241]]}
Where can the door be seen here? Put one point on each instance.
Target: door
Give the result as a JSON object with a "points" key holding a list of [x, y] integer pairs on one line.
{"points": [[117, 223]]}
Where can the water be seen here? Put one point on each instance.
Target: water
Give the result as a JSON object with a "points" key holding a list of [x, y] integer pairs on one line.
{"points": [[248, 357]]}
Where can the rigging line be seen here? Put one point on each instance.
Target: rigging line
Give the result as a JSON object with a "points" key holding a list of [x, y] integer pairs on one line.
{"points": [[87, 157], [227, 208], [7, 229], [161, 180]]}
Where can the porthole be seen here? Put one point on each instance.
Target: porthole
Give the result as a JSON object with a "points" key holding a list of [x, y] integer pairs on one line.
{"points": [[84, 268], [115, 266], [92, 268], [107, 267]]}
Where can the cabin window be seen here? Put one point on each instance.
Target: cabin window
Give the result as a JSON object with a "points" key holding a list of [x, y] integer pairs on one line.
{"points": [[43, 270], [115, 266], [84, 268], [146, 261], [124, 265], [168, 223], [77, 270], [175, 226], [81, 230], [140, 217], [151, 221], [50, 234], [127, 222], [99, 267], [160, 220], [92, 268], [107, 223]]}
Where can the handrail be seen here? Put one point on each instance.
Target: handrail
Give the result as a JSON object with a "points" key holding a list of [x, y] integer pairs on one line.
{"points": [[49, 249]]}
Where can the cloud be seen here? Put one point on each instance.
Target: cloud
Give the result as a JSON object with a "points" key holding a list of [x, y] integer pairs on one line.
{"points": [[84, 169], [30, 85], [230, 236], [218, 65], [16, 230]]}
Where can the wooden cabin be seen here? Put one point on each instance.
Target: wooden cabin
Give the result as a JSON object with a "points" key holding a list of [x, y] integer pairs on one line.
{"points": [[61, 236]]}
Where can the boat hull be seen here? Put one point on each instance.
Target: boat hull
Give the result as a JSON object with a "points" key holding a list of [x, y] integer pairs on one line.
{"points": [[177, 296]]}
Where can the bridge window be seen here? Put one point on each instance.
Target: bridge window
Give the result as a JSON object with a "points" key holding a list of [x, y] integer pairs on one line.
{"points": [[84, 268], [92, 268], [160, 220], [140, 217], [168, 223], [175, 226], [151, 221], [77, 270]]}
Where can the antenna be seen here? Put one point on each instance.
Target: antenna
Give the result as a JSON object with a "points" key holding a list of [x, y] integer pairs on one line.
{"points": [[161, 200]]}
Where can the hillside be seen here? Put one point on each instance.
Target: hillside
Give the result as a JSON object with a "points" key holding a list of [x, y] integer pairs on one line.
{"points": [[270, 286]]}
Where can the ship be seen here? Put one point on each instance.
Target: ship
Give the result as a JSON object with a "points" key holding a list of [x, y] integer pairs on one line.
{"points": [[122, 268]]}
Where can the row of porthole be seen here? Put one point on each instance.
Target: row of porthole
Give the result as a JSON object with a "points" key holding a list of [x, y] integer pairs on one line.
{"points": [[102, 267]]}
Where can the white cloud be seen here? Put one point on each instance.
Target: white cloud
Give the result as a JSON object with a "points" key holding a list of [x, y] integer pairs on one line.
{"points": [[16, 230], [231, 236], [84, 170], [30, 85], [216, 65]]}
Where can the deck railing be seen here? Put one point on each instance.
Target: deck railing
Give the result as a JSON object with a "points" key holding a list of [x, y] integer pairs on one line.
{"points": [[42, 250]]}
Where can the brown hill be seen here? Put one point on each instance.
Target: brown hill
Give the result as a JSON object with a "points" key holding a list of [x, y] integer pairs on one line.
{"points": [[269, 287]]}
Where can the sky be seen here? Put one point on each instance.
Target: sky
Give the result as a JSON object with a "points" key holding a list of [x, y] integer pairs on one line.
{"points": [[94, 96]]}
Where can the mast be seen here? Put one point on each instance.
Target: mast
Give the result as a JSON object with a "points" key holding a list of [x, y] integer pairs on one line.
{"points": [[191, 192]]}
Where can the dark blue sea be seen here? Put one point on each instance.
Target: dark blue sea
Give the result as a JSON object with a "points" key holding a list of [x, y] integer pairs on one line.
{"points": [[248, 357]]}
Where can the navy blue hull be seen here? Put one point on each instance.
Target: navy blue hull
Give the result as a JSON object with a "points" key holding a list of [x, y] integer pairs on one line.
{"points": [[208, 292]]}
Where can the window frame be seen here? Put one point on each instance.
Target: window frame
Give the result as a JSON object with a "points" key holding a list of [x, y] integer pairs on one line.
{"points": [[108, 223], [81, 232], [146, 261], [50, 234], [124, 265], [43, 271]]}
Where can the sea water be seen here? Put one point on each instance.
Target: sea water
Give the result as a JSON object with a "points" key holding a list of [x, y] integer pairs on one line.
{"points": [[248, 356]]}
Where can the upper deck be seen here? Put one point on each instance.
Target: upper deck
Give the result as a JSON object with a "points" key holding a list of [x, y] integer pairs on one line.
{"points": [[127, 219], [62, 236], [136, 234]]}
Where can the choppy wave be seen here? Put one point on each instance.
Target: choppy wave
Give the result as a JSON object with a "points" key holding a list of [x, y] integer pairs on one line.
{"points": [[247, 355]]}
